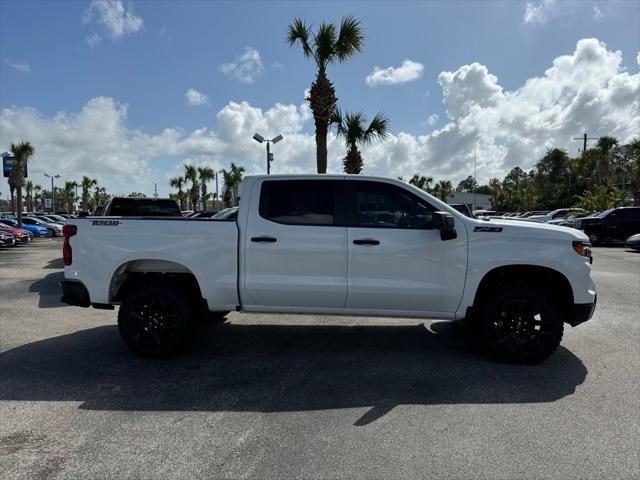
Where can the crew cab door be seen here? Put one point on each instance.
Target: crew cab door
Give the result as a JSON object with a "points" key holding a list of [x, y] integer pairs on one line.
{"points": [[296, 245], [397, 261]]}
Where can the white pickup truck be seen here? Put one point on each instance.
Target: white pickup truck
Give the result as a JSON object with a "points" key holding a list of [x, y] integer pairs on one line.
{"points": [[338, 245]]}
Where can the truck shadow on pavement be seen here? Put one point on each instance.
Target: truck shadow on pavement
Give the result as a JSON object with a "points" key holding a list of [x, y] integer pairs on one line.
{"points": [[281, 368], [49, 290]]}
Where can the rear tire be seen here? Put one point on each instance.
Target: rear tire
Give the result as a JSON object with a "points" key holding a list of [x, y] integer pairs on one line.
{"points": [[157, 319], [519, 325]]}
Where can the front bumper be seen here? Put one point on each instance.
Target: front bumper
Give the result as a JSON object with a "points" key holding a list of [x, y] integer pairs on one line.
{"points": [[75, 293], [582, 312]]}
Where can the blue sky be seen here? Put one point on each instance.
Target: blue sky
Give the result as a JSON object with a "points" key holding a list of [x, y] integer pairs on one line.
{"points": [[58, 56]]}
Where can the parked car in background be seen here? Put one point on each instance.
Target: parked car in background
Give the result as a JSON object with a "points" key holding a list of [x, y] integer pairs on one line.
{"points": [[570, 219], [230, 213], [53, 229], [21, 235], [206, 214], [7, 239], [555, 214], [37, 230], [142, 207], [187, 213], [613, 224], [533, 212], [484, 213], [462, 208], [633, 242]]}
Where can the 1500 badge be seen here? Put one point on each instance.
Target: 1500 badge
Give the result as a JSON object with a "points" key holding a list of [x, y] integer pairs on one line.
{"points": [[105, 223], [487, 229]]}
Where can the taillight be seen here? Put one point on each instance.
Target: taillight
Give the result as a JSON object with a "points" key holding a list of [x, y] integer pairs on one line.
{"points": [[68, 231]]}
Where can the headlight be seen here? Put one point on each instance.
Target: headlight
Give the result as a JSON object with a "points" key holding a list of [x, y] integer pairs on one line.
{"points": [[583, 249]]}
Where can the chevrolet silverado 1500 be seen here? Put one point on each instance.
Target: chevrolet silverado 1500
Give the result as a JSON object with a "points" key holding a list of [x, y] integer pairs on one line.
{"points": [[333, 244]]}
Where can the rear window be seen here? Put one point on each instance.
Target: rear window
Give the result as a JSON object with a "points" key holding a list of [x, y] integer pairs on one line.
{"points": [[124, 207], [299, 202]]}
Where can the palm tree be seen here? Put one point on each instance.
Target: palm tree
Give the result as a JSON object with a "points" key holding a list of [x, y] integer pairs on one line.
{"points": [[86, 184], [178, 182], [422, 182], [206, 175], [606, 147], [443, 190], [325, 46], [29, 195], [21, 153], [37, 196], [191, 175], [231, 179], [69, 195], [351, 127]]}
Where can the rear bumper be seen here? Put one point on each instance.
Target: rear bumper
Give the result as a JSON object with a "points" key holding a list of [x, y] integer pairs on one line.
{"points": [[74, 293], [582, 312]]}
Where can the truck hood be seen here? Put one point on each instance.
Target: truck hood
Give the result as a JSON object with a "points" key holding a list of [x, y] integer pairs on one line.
{"points": [[534, 229]]}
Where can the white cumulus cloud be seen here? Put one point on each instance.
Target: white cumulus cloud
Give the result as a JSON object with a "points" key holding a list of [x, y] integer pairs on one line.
{"points": [[246, 67], [587, 90], [432, 119], [407, 72], [113, 17], [195, 98]]}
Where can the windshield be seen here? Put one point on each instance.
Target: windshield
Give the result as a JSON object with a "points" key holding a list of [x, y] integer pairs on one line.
{"points": [[605, 213]]}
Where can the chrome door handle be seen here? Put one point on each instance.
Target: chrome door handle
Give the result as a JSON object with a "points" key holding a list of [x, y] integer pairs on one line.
{"points": [[366, 241]]}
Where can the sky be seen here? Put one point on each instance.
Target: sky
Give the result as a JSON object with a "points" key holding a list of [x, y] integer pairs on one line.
{"points": [[129, 92]]}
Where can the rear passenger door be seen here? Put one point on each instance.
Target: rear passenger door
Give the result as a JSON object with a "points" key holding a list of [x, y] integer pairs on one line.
{"points": [[296, 245]]}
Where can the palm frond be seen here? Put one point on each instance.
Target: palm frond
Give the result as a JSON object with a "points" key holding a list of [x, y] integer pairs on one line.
{"points": [[350, 38], [299, 32], [378, 129], [325, 42]]}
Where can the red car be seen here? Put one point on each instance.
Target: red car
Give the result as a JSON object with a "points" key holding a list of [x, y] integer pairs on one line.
{"points": [[20, 235]]}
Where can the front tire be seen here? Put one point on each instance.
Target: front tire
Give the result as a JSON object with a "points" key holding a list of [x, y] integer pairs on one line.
{"points": [[520, 325], [157, 320], [51, 232]]}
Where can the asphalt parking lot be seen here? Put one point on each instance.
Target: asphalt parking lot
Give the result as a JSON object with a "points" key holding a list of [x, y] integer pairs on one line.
{"points": [[269, 397]]}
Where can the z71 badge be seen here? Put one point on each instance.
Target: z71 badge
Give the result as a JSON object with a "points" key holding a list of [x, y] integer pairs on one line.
{"points": [[105, 223], [487, 229]]}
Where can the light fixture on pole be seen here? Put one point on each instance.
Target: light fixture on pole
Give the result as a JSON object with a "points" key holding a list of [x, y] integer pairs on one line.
{"points": [[52, 193], [260, 139]]}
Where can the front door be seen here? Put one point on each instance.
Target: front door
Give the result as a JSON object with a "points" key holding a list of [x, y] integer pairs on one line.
{"points": [[397, 261], [296, 246]]}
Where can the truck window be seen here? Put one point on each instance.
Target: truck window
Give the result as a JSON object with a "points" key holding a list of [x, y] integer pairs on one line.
{"points": [[299, 202], [126, 207], [380, 205]]}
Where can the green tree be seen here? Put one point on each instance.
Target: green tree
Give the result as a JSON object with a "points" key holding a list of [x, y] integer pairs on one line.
{"points": [[469, 184], [100, 198], [352, 128], [326, 46], [191, 175], [606, 149], [29, 195], [137, 195], [69, 195], [206, 175], [443, 190], [600, 198], [422, 182], [21, 152], [633, 169], [37, 197], [231, 179], [87, 183], [178, 182]]}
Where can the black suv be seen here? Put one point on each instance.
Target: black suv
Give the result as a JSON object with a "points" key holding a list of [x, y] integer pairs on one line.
{"points": [[612, 224]]}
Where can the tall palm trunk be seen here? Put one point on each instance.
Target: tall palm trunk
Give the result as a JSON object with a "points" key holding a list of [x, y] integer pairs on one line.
{"points": [[322, 100]]}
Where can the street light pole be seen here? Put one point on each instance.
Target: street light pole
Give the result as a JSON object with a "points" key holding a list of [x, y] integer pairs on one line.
{"points": [[260, 139], [53, 195]]}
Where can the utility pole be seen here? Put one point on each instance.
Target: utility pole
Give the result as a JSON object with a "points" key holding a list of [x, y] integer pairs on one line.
{"points": [[217, 195], [155, 190], [584, 139], [475, 178]]}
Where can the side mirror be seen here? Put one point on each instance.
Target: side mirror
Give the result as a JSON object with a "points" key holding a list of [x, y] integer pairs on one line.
{"points": [[444, 222]]}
